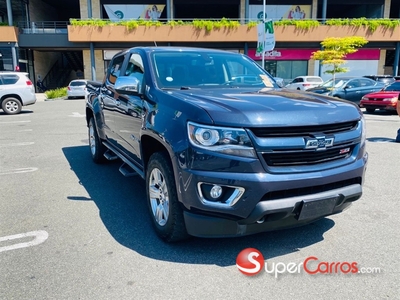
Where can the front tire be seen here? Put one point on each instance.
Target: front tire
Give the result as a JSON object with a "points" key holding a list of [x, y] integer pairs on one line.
{"points": [[97, 149], [11, 106], [165, 211]]}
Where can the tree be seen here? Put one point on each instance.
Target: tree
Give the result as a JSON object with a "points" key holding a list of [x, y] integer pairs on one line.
{"points": [[334, 52]]}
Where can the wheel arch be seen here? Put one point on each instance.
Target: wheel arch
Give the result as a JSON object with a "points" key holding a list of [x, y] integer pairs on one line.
{"points": [[149, 146], [16, 96], [93, 109]]}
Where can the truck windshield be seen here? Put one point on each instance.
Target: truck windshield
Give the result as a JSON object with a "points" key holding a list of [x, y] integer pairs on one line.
{"points": [[191, 69]]}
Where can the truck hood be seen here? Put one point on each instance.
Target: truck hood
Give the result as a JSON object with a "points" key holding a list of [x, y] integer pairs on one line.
{"points": [[269, 107]]}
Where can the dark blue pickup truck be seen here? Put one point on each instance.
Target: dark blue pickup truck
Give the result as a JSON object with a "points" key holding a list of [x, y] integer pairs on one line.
{"points": [[223, 150]]}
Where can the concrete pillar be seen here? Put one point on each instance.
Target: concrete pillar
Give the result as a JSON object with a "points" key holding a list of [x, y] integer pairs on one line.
{"points": [[381, 63], [95, 9], [314, 9], [242, 8], [386, 9], [311, 67]]}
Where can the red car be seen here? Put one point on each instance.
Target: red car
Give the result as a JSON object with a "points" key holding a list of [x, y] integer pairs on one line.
{"points": [[385, 99]]}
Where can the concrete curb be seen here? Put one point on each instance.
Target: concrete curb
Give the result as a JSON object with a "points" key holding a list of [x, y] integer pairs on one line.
{"points": [[41, 97]]}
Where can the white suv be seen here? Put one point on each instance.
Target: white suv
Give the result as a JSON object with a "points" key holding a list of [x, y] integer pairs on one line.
{"points": [[16, 90], [304, 83]]}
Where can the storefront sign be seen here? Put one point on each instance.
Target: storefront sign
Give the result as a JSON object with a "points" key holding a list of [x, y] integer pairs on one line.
{"points": [[305, 54]]}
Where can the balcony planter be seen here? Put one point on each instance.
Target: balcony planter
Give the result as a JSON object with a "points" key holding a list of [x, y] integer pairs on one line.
{"points": [[8, 34], [188, 33], [163, 33], [317, 34]]}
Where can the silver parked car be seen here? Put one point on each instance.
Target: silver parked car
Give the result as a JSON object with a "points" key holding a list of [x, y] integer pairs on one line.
{"points": [[16, 90], [77, 89]]}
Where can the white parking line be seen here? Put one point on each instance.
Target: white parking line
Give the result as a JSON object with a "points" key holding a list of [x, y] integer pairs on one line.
{"points": [[76, 115], [39, 237], [17, 144], [18, 171], [11, 122], [25, 130]]}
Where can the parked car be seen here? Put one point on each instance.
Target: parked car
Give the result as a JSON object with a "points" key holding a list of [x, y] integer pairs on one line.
{"points": [[385, 99], [304, 83], [16, 90], [386, 79], [348, 88], [77, 89]]}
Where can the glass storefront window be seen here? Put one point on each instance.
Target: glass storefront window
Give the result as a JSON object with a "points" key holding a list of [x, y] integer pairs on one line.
{"points": [[286, 69], [6, 62]]}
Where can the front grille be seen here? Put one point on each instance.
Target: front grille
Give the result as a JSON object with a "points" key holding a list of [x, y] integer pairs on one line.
{"points": [[304, 130], [307, 145], [307, 157], [309, 190]]}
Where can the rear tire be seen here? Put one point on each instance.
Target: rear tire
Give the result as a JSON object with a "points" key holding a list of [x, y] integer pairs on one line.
{"points": [[11, 106], [165, 210], [97, 149], [370, 110]]}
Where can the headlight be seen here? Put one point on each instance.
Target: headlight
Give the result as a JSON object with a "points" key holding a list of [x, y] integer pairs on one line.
{"points": [[232, 141], [364, 98], [363, 130], [394, 99]]}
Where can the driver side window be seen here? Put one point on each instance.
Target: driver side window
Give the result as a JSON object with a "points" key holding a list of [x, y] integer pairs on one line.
{"points": [[353, 84]]}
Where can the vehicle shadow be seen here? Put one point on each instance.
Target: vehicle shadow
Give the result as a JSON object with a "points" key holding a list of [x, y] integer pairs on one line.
{"points": [[379, 139], [22, 112], [123, 210], [381, 112]]}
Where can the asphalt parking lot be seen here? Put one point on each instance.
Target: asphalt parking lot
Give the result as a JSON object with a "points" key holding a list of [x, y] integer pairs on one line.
{"points": [[70, 229]]}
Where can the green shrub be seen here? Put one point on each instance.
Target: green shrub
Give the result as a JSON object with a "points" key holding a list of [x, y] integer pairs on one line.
{"points": [[57, 93], [209, 25]]}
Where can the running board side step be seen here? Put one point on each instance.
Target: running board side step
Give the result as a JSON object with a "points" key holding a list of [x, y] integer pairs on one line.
{"points": [[128, 168], [110, 155], [127, 171]]}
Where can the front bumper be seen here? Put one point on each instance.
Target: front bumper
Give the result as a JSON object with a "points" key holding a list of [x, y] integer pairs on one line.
{"points": [[387, 105], [269, 200], [275, 214]]}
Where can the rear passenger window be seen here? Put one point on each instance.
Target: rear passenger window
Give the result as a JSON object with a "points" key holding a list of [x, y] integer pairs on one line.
{"points": [[78, 83], [10, 79]]}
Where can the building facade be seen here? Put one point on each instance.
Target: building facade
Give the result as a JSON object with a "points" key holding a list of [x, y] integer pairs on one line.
{"points": [[40, 40]]}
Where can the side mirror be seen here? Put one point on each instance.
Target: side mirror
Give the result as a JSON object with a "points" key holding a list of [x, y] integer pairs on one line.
{"points": [[279, 81], [127, 85]]}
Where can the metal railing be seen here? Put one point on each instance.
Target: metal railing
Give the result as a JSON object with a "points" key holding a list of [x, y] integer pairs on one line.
{"points": [[43, 27]]}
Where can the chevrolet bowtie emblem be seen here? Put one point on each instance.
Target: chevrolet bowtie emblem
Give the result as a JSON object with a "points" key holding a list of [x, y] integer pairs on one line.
{"points": [[319, 143]]}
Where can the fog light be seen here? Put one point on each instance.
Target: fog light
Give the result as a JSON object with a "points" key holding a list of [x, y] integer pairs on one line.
{"points": [[216, 191], [219, 195]]}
